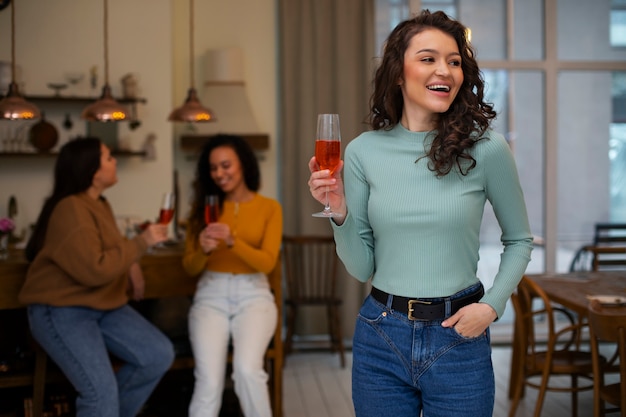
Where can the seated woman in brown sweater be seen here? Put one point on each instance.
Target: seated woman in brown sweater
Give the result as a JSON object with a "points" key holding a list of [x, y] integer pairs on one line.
{"points": [[78, 283]]}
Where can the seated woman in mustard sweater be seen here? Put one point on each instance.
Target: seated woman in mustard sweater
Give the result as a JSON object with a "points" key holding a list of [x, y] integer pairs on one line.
{"points": [[233, 298]]}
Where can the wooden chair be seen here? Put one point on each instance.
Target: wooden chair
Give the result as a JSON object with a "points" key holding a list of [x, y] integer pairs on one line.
{"points": [[558, 355], [311, 275], [610, 234], [607, 252], [608, 325]]}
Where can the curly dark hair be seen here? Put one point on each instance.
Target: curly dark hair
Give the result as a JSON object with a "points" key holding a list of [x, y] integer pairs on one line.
{"points": [[468, 117], [203, 183]]}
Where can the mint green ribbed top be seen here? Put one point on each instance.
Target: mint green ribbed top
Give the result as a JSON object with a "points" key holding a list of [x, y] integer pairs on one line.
{"points": [[417, 235]]}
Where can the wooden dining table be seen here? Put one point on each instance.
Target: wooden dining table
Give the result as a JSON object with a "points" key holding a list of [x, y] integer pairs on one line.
{"points": [[572, 290]]}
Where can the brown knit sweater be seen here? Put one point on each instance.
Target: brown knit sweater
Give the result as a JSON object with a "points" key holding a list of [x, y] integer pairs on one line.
{"points": [[84, 260]]}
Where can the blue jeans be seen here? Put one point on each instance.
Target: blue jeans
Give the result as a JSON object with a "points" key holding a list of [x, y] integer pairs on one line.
{"points": [[79, 340], [402, 367]]}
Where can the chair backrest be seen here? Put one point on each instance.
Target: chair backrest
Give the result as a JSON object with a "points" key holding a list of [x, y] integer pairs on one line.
{"points": [[608, 251], [310, 268], [610, 234], [607, 258], [605, 324], [536, 322]]}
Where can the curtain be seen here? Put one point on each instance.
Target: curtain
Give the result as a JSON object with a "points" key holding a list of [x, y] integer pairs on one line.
{"points": [[327, 59]]}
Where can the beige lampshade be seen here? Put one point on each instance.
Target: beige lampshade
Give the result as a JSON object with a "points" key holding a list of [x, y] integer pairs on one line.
{"points": [[224, 84], [223, 66]]}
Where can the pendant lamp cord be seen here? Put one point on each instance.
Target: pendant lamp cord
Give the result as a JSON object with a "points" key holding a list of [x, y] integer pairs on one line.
{"points": [[191, 74], [13, 41], [106, 42]]}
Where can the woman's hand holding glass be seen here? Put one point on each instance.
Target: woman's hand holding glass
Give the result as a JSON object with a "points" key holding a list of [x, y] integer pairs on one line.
{"points": [[154, 233], [328, 187], [213, 234], [327, 152]]}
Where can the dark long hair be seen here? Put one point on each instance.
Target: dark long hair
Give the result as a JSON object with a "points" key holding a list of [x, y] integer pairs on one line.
{"points": [[74, 169], [203, 183], [468, 117]]}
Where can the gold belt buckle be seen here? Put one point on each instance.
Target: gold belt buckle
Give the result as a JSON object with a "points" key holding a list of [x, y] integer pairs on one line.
{"points": [[411, 302]]}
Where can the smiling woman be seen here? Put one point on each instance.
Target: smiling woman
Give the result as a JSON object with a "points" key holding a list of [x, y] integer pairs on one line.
{"points": [[233, 257], [416, 186]]}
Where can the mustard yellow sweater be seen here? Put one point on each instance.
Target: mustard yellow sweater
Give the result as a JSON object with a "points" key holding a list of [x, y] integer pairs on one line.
{"points": [[84, 260], [257, 227]]}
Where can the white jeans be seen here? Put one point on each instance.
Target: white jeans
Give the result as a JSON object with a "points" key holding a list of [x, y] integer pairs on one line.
{"points": [[241, 307]]}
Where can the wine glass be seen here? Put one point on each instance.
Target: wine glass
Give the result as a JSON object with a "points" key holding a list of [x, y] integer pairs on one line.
{"points": [[74, 78], [211, 208], [57, 87], [167, 208], [327, 151], [166, 212]]}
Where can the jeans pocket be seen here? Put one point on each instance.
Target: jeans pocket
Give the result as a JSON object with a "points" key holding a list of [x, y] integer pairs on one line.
{"points": [[370, 312], [480, 336]]}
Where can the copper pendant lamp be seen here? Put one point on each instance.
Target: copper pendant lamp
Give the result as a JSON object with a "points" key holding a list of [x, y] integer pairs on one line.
{"points": [[14, 106], [192, 110], [105, 109]]}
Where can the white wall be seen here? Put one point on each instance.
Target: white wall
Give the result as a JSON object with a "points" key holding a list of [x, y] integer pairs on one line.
{"points": [[150, 39]]}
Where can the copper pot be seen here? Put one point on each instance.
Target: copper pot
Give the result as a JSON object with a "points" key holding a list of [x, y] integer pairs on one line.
{"points": [[43, 135]]}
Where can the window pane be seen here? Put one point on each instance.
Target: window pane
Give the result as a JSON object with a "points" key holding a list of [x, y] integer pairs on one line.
{"points": [[617, 148], [528, 30], [618, 28], [583, 163], [388, 14], [487, 21], [518, 99], [584, 29]]}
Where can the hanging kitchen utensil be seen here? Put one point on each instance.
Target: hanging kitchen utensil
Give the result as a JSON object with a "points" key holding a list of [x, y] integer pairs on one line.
{"points": [[43, 135], [67, 123]]}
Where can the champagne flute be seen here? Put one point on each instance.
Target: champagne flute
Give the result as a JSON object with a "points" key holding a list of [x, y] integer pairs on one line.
{"points": [[327, 151], [166, 212], [211, 209]]}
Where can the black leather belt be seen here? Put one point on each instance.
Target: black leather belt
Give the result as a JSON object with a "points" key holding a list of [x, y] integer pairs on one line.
{"points": [[427, 308]]}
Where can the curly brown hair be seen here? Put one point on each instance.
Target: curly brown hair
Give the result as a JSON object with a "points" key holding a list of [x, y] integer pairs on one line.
{"points": [[204, 184], [468, 117]]}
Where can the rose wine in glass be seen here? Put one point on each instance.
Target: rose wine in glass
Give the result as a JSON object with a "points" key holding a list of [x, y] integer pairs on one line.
{"points": [[166, 212], [211, 209], [327, 151]]}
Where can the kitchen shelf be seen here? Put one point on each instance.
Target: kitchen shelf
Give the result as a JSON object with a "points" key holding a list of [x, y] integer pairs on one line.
{"points": [[257, 141], [79, 99], [54, 154]]}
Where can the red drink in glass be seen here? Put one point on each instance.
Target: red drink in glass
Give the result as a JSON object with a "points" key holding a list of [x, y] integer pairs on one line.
{"points": [[165, 216], [211, 209], [328, 153]]}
